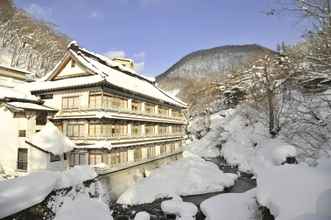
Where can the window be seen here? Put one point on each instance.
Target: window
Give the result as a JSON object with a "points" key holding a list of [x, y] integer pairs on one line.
{"points": [[119, 130], [150, 130], [136, 106], [41, 118], [64, 156], [149, 108], [54, 158], [176, 113], [177, 129], [95, 158], [151, 152], [163, 111], [163, 149], [70, 102], [136, 130], [22, 159], [115, 158], [138, 154], [163, 130], [46, 96], [75, 130], [172, 147], [22, 133], [77, 158], [111, 102], [95, 101]]}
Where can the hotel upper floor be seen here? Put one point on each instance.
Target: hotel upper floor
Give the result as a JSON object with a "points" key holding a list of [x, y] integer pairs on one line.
{"points": [[88, 85]]}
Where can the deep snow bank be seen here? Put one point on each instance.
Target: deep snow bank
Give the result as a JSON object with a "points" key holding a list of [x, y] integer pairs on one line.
{"points": [[188, 176], [291, 191], [26, 191]]}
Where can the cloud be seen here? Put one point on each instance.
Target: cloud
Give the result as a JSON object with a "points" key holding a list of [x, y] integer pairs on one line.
{"points": [[115, 53], [39, 12]]}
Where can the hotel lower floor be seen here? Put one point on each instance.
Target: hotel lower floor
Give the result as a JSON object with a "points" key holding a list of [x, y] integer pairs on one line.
{"points": [[123, 156]]}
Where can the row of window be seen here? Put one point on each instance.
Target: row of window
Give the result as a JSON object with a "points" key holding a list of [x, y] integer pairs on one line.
{"points": [[97, 101], [120, 156], [120, 129]]}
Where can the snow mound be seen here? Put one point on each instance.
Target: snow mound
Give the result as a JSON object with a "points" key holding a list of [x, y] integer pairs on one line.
{"points": [[323, 206], [279, 188], [238, 206], [50, 139], [26, 191], [75, 176], [21, 193], [188, 176], [83, 208], [142, 216], [183, 210], [280, 153]]}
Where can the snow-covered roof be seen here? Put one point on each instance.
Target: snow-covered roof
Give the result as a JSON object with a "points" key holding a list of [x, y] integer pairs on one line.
{"points": [[29, 106], [17, 92], [51, 140], [15, 69], [107, 71]]}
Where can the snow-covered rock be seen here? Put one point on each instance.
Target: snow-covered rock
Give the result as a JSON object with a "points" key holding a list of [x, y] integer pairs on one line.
{"points": [[183, 210], [190, 175], [142, 216], [280, 153], [26, 191], [236, 206], [83, 207], [290, 191]]}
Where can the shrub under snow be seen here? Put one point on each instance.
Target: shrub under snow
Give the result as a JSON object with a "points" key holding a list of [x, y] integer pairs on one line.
{"points": [[190, 175], [236, 206]]}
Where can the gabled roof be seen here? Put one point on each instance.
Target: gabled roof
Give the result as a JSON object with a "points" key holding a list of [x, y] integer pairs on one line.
{"points": [[21, 106], [103, 70]]}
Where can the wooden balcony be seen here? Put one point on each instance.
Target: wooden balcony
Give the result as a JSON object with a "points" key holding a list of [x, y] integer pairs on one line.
{"points": [[84, 110]]}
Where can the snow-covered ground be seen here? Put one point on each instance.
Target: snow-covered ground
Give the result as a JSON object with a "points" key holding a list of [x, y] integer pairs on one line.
{"points": [[298, 192], [188, 176]]}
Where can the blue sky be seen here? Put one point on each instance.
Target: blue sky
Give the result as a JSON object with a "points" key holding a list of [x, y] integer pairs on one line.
{"points": [[157, 33]]}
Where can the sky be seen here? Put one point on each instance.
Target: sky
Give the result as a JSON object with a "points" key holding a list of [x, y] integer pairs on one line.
{"points": [[157, 33]]}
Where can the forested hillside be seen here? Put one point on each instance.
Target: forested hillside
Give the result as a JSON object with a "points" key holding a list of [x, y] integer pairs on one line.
{"points": [[28, 43]]}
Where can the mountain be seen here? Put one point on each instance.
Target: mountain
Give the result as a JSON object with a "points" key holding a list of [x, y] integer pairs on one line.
{"points": [[198, 70]]}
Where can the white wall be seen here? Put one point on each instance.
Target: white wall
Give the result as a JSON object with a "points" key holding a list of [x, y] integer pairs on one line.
{"points": [[10, 142]]}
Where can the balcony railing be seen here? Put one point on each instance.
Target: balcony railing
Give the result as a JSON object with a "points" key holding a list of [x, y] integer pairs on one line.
{"points": [[121, 166], [126, 111], [126, 137]]}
